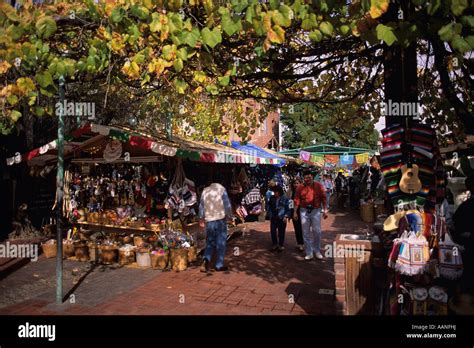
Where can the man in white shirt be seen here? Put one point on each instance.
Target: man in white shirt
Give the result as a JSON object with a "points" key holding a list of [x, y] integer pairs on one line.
{"points": [[214, 208]]}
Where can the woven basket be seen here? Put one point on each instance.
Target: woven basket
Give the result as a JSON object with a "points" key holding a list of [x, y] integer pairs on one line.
{"points": [[50, 250], [126, 257], [68, 250], [192, 254], [179, 259], [160, 261], [108, 254], [379, 208], [367, 212], [138, 241], [81, 251]]}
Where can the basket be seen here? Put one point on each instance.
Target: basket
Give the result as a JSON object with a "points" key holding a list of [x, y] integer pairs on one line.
{"points": [[367, 212], [179, 259], [138, 241], [50, 250], [81, 251], [379, 208], [192, 254], [160, 261], [126, 257], [108, 254], [143, 258], [94, 252], [68, 250]]}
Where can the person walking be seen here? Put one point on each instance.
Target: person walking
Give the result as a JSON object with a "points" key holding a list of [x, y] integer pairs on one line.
{"points": [[291, 193], [341, 185], [280, 212], [311, 200], [214, 208], [329, 187]]}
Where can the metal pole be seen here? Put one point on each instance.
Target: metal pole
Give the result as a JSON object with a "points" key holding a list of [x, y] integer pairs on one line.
{"points": [[59, 196]]}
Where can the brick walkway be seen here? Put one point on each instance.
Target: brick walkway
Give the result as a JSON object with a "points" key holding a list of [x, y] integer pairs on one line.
{"points": [[258, 282]]}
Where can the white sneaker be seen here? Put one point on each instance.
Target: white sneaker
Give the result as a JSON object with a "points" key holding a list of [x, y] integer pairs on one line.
{"points": [[319, 256], [308, 257]]}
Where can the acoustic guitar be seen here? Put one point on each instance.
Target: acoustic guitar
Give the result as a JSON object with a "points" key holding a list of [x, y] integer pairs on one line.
{"points": [[410, 182]]}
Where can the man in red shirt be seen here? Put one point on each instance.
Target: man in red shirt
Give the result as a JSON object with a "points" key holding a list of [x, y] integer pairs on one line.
{"points": [[311, 199]]}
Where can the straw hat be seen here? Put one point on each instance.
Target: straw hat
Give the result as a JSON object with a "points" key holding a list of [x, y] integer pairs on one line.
{"points": [[462, 304]]}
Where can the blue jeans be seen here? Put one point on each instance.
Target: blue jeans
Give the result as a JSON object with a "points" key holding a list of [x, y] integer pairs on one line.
{"points": [[328, 197], [311, 225], [216, 238], [277, 230]]}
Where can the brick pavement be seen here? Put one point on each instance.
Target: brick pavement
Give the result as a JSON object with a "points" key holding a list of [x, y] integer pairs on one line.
{"points": [[258, 282]]}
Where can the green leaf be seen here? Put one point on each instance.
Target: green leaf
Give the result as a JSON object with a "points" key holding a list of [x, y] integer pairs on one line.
{"points": [[169, 52], [38, 110], [46, 26], [117, 15], [345, 29], [460, 45], [386, 34], [279, 19], [178, 65], [211, 38], [155, 24], [12, 99], [199, 76], [470, 41], [468, 20], [16, 32], [213, 89], [180, 85], [458, 6], [191, 37], [433, 6], [315, 35], [182, 53], [239, 5], [326, 28], [446, 33], [249, 14], [15, 115], [140, 11], [224, 80], [230, 27], [45, 79], [274, 4], [9, 11]]}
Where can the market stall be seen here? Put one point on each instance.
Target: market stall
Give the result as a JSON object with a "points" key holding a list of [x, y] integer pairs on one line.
{"points": [[130, 194]]}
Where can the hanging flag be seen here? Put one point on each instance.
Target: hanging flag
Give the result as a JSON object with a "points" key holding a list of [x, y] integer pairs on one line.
{"points": [[362, 158], [347, 159], [305, 156], [140, 142], [317, 160], [102, 130], [208, 157], [163, 149], [119, 135], [331, 159], [355, 165]]}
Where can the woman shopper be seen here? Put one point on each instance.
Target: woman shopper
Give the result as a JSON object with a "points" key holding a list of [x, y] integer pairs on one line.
{"points": [[296, 222], [279, 209]]}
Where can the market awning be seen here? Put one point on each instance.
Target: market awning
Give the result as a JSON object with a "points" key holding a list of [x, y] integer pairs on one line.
{"points": [[254, 150], [87, 144]]}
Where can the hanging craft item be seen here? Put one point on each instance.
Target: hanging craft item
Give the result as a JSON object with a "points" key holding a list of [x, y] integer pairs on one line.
{"points": [[410, 182], [413, 258], [113, 151], [450, 262]]}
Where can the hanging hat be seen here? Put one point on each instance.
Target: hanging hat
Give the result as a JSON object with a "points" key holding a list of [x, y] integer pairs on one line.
{"points": [[113, 151]]}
